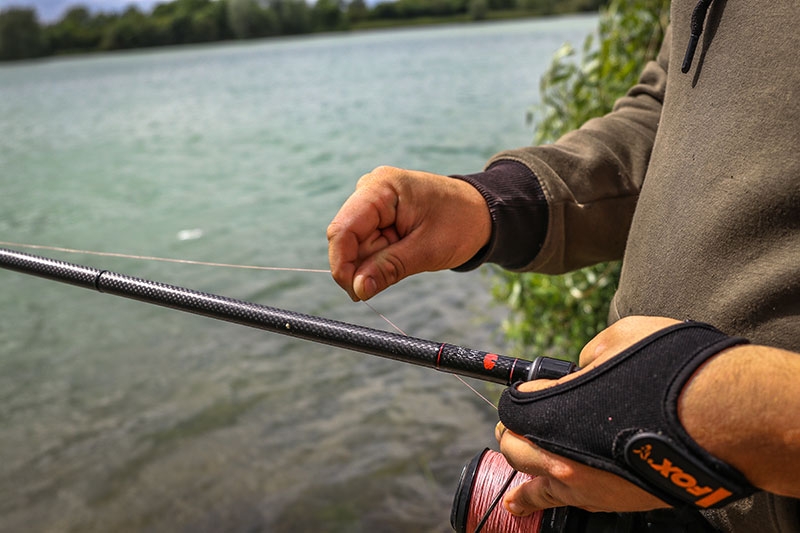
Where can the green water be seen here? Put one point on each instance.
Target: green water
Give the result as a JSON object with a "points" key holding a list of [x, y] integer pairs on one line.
{"points": [[119, 416]]}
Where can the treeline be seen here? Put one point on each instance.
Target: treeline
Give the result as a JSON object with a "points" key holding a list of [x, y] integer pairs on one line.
{"points": [[22, 36]]}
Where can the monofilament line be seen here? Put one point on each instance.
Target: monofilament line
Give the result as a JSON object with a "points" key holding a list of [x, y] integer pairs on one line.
{"points": [[459, 378], [224, 265], [162, 259]]}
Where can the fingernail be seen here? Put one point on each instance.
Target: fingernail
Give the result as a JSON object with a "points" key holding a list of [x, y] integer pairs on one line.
{"points": [[514, 508], [368, 286]]}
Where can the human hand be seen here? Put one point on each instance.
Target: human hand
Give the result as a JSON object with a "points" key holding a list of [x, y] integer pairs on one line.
{"points": [[560, 481], [402, 222]]}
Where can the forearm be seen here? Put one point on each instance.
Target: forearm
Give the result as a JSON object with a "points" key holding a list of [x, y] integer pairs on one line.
{"points": [[743, 406]]}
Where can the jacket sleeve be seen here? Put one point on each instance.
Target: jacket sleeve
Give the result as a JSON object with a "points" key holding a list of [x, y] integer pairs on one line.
{"points": [[583, 188]]}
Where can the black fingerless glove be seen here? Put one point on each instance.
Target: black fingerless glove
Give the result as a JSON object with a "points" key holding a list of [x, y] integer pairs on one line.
{"points": [[622, 417]]}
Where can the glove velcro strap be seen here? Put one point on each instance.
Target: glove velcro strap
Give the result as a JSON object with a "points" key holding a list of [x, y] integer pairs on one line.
{"points": [[622, 417], [673, 475]]}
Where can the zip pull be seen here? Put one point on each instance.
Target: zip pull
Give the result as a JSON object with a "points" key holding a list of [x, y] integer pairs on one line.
{"points": [[698, 21]]}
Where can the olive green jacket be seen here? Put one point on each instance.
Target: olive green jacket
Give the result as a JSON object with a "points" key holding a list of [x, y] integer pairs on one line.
{"points": [[694, 181]]}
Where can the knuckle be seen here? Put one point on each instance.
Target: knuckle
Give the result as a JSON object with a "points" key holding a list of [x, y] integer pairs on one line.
{"points": [[376, 173], [548, 498], [332, 231], [365, 179], [596, 348], [394, 269], [563, 472]]}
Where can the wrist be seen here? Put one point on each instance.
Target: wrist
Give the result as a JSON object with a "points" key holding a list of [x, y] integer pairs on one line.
{"points": [[518, 214], [479, 229], [741, 406]]}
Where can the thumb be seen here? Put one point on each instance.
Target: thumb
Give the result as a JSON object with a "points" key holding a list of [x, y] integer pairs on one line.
{"points": [[383, 269], [529, 497]]}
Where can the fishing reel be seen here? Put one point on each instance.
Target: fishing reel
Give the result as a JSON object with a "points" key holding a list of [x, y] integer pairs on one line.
{"points": [[476, 506], [487, 477]]}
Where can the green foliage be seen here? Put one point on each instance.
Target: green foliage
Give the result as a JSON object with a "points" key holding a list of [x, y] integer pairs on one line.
{"points": [[248, 20], [357, 11], [558, 315], [545, 7], [629, 34], [133, 30], [560, 7], [76, 31], [328, 15], [293, 16], [197, 21], [502, 4], [478, 9], [20, 34]]}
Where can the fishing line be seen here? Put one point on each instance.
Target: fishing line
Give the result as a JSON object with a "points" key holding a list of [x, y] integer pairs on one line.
{"points": [[493, 477], [443, 357], [495, 501], [470, 387], [440, 356], [223, 265], [162, 259]]}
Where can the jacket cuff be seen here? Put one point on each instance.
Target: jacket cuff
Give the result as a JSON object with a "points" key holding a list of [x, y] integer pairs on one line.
{"points": [[519, 214]]}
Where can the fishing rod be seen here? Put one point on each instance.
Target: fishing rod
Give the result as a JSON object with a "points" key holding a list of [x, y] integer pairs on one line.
{"points": [[483, 480], [440, 356]]}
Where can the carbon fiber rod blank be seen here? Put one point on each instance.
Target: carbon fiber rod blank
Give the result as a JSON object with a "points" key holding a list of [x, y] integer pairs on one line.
{"points": [[440, 356]]}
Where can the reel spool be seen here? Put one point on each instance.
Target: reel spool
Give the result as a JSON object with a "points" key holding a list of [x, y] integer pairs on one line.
{"points": [[488, 476]]}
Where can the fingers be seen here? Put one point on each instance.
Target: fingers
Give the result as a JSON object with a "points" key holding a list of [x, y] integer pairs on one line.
{"points": [[364, 225], [525, 456], [378, 269], [401, 222], [499, 429], [379, 272], [531, 496], [379, 261], [558, 481], [537, 493]]}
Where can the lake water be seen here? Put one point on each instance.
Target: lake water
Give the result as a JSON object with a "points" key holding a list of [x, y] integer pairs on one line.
{"points": [[120, 416]]}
